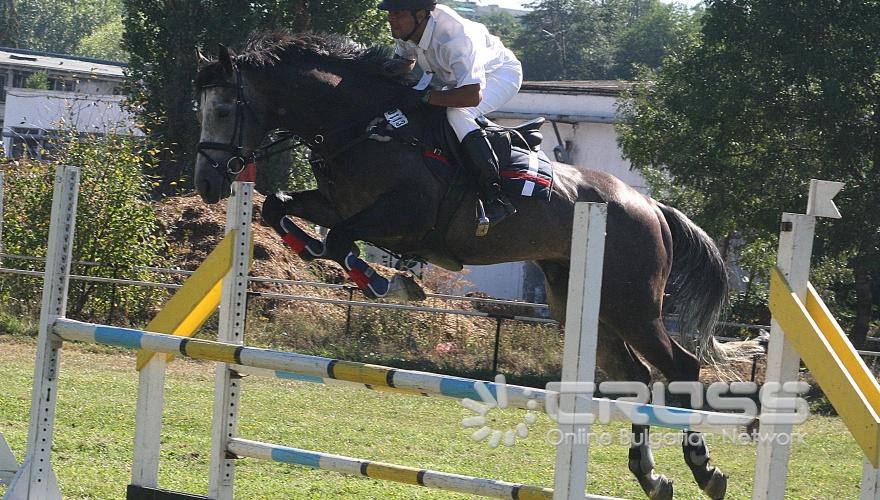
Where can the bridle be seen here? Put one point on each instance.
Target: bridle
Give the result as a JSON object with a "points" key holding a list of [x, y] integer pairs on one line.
{"points": [[236, 160]]}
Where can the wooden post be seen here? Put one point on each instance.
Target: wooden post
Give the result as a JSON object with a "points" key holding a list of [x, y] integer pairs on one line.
{"points": [[793, 259], [870, 482]]}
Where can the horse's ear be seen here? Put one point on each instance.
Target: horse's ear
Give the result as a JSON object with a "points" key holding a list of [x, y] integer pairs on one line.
{"points": [[225, 55], [201, 58]]}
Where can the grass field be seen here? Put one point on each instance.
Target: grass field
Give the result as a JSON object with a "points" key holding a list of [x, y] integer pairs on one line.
{"points": [[95, 424]]}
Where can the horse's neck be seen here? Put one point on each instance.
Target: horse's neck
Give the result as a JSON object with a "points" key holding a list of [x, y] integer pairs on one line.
{"points": [[348, 96]]}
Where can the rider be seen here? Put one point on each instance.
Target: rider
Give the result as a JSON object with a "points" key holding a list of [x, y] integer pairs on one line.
{"points": [[479, 75]]}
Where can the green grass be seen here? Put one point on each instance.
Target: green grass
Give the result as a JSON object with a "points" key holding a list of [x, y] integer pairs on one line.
{"points": [[95, 424]]}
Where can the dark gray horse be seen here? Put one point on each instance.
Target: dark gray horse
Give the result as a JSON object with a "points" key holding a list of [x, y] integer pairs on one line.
{"points": [[327, 91]]}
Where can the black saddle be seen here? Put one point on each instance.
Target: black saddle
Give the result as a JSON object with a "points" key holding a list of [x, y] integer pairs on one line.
{"points": [[526, 136]]}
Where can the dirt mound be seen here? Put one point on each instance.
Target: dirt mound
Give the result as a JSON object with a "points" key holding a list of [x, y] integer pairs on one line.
{"points": [[193, 229]]}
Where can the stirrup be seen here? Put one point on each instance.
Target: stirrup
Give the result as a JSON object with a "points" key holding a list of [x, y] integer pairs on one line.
{"points": [[484, 222], [482, 219]]}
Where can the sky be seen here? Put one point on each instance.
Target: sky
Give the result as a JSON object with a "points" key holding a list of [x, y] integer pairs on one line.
{"points": [[517, 4]]}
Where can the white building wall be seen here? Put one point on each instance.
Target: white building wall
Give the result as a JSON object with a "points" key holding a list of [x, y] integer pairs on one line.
{"points": [[50, 110]]}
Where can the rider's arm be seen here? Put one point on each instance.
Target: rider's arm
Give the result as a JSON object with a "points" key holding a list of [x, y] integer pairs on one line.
{"points": [[461, 57], [466, 96]]}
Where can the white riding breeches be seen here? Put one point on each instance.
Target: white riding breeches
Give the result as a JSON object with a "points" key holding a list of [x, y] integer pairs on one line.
{"points": [[501, 85]]}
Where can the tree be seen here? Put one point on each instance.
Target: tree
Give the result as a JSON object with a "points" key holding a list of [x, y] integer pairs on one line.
{"points": [[552, 37], [9, 24], [38, 80], [112, 191], [657, 30], [503, 25], [773, 93], [59, 25], [105, 42], [594, 39], [161, 38]]}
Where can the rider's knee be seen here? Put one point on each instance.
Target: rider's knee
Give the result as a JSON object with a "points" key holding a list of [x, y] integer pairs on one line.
{"points": [[462, 120]]}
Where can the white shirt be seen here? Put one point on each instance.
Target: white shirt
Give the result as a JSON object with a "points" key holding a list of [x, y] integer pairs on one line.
{"points": [[457, 51]]}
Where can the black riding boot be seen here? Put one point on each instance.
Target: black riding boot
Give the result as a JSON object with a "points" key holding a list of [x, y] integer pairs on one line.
{"points": [[484, 165]]}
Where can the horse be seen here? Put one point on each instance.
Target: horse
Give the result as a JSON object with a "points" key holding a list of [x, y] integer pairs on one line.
{"points": [[327, 92]]}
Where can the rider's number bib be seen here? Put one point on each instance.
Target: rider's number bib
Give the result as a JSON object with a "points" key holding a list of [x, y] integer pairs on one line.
{"points": [[396, 118]]}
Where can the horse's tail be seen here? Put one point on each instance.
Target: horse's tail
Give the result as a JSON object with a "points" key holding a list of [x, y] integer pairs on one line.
{"points": [[698, 288]]}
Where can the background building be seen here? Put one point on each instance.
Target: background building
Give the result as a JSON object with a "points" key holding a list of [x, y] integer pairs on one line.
{"points": [[82, 93]]}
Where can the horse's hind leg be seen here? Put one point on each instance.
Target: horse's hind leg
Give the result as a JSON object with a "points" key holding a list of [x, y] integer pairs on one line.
{"points": [[652, 341], [618, 361]]}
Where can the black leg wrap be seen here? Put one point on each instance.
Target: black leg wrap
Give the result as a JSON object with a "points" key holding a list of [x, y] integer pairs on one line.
{"points": [[273, 210], [709, 478], [641, 464]]}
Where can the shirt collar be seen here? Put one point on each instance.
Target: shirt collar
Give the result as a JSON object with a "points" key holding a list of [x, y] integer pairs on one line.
{"points": [[425, 42]]}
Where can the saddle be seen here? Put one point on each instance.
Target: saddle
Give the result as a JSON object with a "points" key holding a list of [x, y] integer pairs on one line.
{"points": [[525, 136]]}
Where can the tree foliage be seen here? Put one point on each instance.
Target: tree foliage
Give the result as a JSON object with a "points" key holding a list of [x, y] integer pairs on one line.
{"points": [[773, 93], [38, 80], [503, 25], [105, 42], [59, 25], [9, 25], [113, 191], [594, 39]]}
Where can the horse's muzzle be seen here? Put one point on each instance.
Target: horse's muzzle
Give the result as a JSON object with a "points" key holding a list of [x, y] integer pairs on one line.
{"points": [[211, 184]]}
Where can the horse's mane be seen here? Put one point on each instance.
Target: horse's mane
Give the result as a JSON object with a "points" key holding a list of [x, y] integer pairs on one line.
{"points": [[267, 48], [272, 47]]}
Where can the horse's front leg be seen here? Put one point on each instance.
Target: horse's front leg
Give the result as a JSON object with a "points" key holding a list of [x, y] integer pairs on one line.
{"points": [[394, 215], [310, 205], [390, 216]]}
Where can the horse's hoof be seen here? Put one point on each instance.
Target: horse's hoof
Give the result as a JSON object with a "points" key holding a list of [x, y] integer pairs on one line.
{"points": [[656, 486], [662, 489], [716, 488], [403, 287]]}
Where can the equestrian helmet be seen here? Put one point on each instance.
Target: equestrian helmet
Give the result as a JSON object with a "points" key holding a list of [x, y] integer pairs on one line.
{"points": [[407, 4]]}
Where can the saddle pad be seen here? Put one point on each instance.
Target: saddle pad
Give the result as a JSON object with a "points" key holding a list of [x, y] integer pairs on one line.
{"points": [[529, 174]]}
